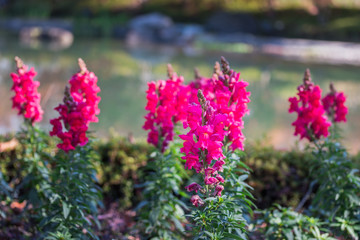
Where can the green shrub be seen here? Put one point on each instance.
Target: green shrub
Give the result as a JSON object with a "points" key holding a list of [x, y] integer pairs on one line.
{"points": [[121, 167], [277, 176]]}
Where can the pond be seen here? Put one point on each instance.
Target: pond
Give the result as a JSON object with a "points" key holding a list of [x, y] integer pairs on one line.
{"points": [[123, 72]]}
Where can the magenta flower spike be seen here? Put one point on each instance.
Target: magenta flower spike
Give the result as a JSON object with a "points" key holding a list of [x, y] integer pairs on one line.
{"points": [[334, 105], [26, 99], [166, 105], [79, 108], [311, 122]]}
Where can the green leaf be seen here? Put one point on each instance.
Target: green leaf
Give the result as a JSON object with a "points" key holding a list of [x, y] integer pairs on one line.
{"points": [[352, 232], [66, 210], [177, 223]]}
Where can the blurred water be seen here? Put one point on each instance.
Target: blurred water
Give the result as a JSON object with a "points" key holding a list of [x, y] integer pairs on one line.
{"points": [[123, 73]]}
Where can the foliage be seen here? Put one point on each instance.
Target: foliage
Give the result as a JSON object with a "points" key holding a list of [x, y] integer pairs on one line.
{"points": [[223, 217], [235, 173], [26, 181], [61, 234], [72, 207], [34, 162], [284, 223], [121, 167], [277, 176], [42, 186], [219, 218], [337, 198], [161, 213]]}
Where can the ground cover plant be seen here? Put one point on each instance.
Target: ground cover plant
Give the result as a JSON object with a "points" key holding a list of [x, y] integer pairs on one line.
{"points": [[196, 178]]}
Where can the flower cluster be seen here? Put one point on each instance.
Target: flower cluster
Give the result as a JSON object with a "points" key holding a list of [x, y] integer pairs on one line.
{"points": [[227, 94], [27, 98], [334, 105], [79, 108], [167, 103], [203, 146], [84, 89], [311, 122], [72, 117]]}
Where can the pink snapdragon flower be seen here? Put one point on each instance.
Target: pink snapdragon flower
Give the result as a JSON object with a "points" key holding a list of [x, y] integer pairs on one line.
{"points": [[193, 187], [27, 98], [84, 89], [203, 145], [79, 108], [334, 105], [311, 122], [166, 105], [228, 95], [218, 190], [196, 200], [202, 129], [74, 121]]}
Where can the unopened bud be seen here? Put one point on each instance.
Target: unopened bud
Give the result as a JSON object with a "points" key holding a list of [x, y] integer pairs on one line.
{"points": [[19, 62], [307, 77], [225, 66], [170, 70], [202, 99], [82, 66], [67, 91], [332, 88], [68, 99], [197, 74], [217, 69]]}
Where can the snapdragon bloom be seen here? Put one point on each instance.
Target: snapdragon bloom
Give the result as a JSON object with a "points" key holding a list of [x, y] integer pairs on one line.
{"points": [[166, 105], [193, 187], [196, 200], [203, 146], [228, 95], [27, 98], [334, 105], [311, 122], [84, 89], [71, 125], [79, 108]]}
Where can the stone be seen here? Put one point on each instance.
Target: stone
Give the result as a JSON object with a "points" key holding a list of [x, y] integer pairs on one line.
{"points": [[153, 27], [56, 38]]}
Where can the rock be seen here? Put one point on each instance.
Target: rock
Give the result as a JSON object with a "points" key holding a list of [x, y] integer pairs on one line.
{"points": [[187, 33], [153, 27], [225, 22], [56, 38], [152, 20], [157, 28]]}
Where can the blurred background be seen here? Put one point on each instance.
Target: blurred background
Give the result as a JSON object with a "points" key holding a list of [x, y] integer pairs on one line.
{"points": [[129, 42]]}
